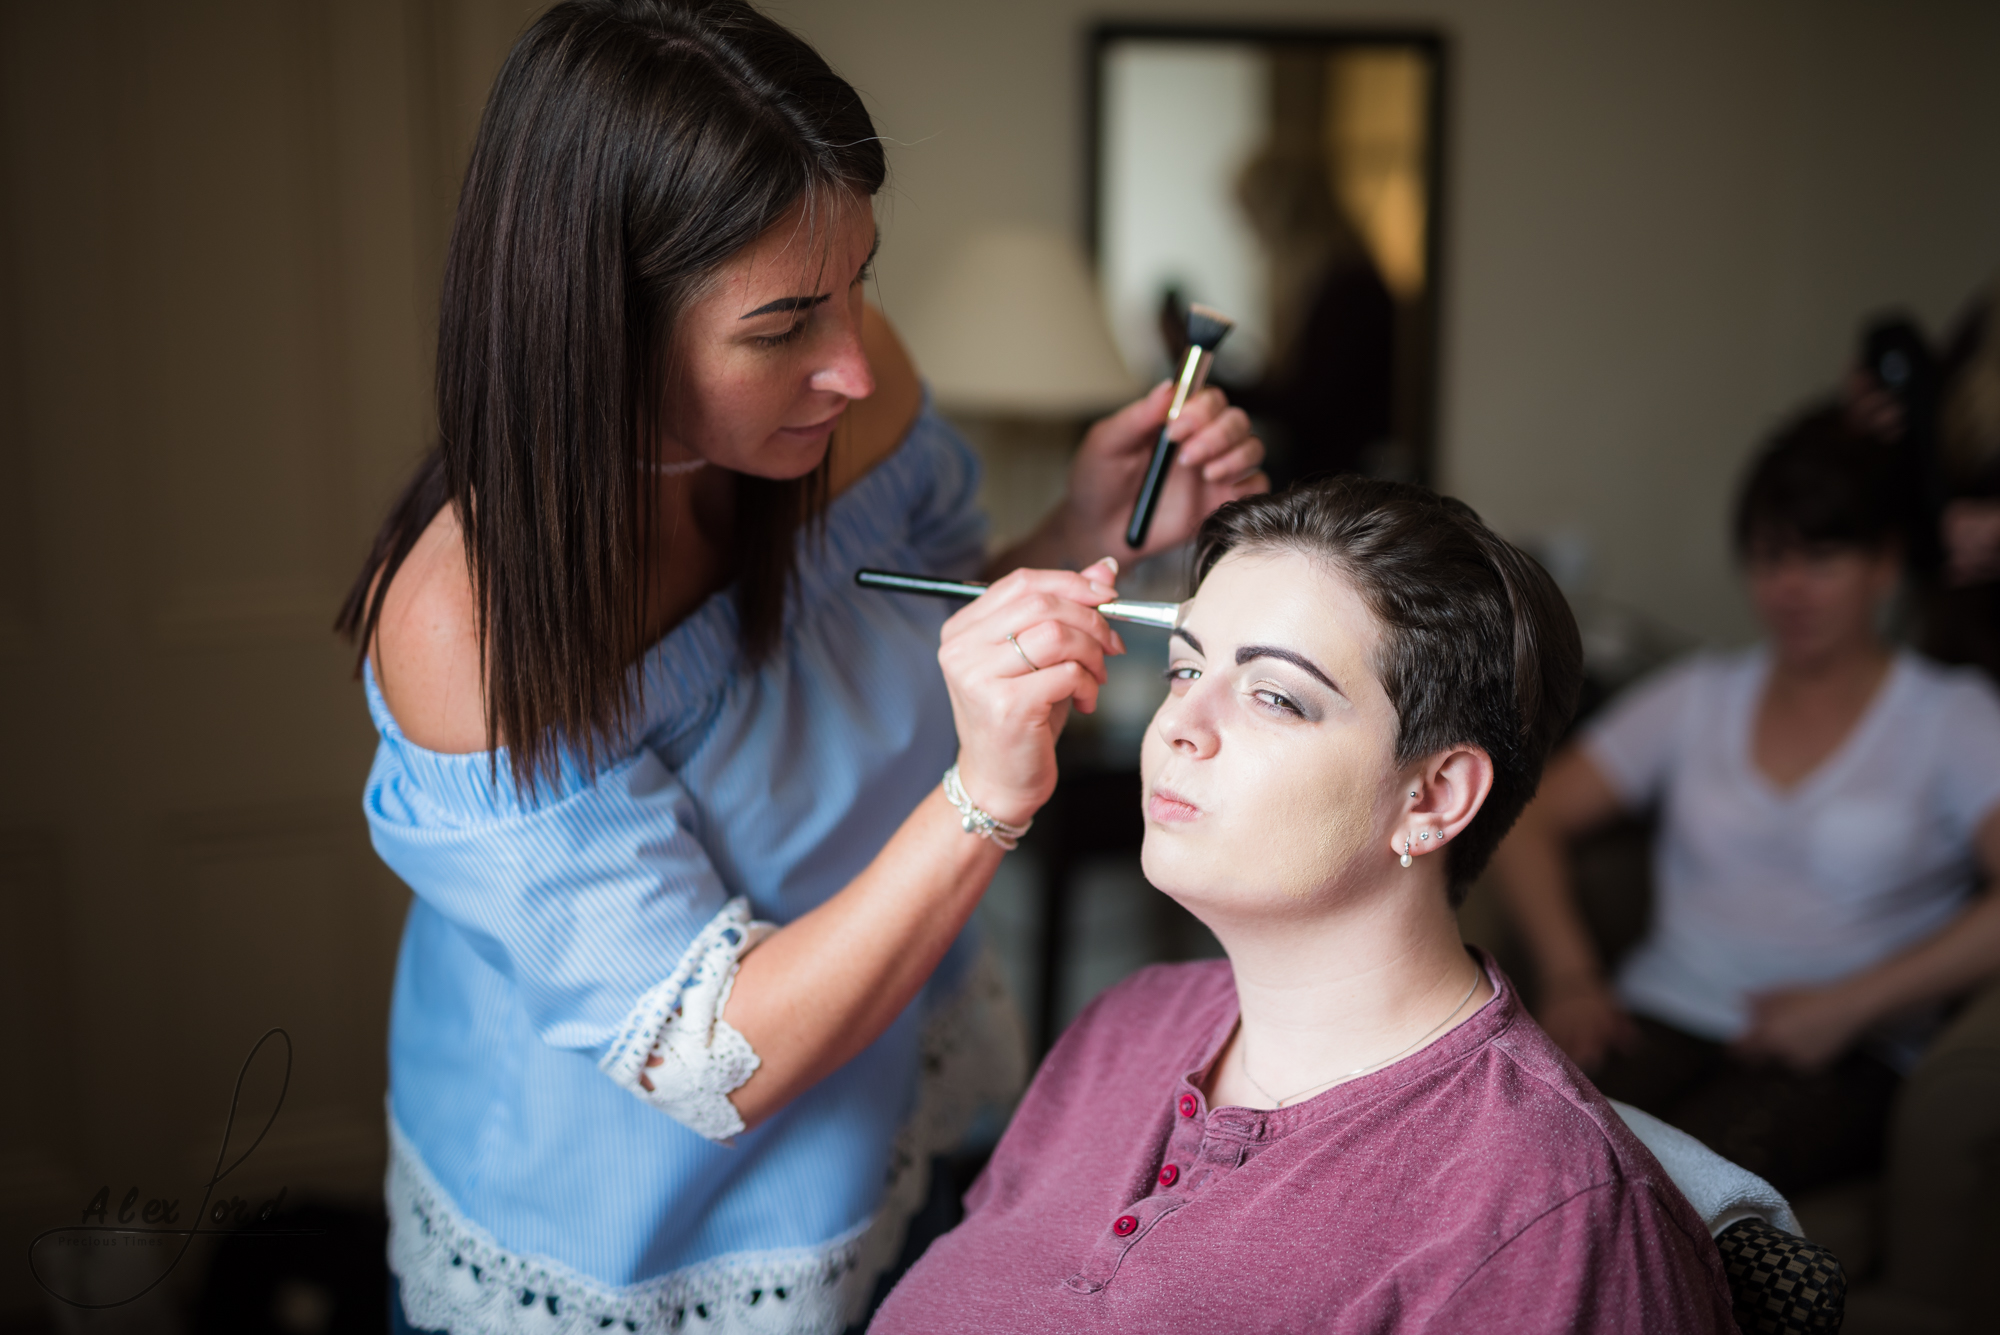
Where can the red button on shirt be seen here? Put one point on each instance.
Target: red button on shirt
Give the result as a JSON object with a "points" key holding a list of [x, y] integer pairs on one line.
{"points": [[1169, 1175], [1187, 1105], [1124, 1225]]}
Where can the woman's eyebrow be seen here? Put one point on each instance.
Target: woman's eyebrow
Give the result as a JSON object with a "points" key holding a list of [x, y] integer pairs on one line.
{"points": [[787, 304], [1300, 661], [1184, 633]]}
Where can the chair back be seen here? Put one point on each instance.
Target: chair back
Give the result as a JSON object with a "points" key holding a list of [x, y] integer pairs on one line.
{"points": [[1779, 1283]]}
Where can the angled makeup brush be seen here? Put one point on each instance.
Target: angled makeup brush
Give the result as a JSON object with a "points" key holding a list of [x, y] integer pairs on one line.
{"points": [[1206, 328]]}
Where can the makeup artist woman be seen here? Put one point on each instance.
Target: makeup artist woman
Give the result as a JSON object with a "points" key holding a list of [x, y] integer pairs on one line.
{"points": [[685, 978]]}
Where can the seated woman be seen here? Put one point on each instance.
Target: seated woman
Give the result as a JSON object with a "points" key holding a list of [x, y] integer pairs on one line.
{"points": [[1826, 803], [1350, 1124]]}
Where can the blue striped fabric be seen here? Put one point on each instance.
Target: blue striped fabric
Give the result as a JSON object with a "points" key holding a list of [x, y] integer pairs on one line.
{"points": [[539, 921]]}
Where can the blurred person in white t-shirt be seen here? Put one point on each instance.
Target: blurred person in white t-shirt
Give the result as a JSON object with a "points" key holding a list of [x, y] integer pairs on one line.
{"points": [[1828, 814]]}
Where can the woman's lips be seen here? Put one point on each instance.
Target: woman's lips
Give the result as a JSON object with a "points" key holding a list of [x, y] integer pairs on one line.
{"points": [[816, 428], [1170, 808]]}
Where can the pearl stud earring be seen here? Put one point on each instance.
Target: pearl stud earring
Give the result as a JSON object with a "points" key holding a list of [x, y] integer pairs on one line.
{"points": [[1407, 859]]}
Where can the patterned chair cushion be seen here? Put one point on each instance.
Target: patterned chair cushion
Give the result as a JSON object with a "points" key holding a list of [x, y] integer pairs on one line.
{"points": [[1781, 1284]]}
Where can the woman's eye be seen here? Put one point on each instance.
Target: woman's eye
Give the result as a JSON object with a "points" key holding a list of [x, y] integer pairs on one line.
{"points": [[867, 272], [1178, 676], [779, 340], [1271, 699]]}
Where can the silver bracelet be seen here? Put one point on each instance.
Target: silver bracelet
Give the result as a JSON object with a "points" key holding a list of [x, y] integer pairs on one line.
{"points": [[982, 823]]}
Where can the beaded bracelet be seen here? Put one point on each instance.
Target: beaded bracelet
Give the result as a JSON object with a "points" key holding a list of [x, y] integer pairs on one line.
{"points": [[982, 823]]}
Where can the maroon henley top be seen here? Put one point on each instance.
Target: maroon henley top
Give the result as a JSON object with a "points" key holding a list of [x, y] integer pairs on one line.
{"points": [[1481, 1184]]}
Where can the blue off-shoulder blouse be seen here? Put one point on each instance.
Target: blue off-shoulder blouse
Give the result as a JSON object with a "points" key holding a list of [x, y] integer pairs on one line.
{"points": [[554, 936]]}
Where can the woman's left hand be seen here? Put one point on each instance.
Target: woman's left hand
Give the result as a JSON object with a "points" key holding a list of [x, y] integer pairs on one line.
{"points": [[1803, 1027], [1218, 461]]}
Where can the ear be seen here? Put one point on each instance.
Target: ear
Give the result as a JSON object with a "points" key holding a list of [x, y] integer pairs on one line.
{"points": [[1449, 789]]}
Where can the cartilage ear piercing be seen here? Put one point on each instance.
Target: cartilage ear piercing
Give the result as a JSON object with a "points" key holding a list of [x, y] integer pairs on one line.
{"points": [[1413, 792], [1407, 859]]}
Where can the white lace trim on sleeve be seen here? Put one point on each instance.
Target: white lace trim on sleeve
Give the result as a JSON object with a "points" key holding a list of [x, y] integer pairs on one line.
{"points": [[701, 1059], [456, 1276]]}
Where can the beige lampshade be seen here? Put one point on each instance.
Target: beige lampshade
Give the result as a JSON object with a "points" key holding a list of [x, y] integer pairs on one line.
{"points": [[1013, 325]]}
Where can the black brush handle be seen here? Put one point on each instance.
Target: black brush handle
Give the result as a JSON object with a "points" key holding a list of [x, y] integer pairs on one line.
{"points": [[1150, 489], [937, 588]]}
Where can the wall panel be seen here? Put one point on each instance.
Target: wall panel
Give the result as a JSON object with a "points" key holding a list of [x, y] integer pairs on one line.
{"points": [[216, 260]]}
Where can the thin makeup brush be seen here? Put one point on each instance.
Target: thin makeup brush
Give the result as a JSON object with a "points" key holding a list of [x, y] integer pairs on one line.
{"points": [[1164, 615], [1206, 328]]}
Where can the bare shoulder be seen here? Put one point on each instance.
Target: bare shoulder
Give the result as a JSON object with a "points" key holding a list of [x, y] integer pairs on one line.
{"points": [[426, 651], [876, 425]]}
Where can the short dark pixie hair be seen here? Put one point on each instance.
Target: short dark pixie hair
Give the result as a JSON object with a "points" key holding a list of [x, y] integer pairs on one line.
{"points": [[1819, 481], [1478, 648]]}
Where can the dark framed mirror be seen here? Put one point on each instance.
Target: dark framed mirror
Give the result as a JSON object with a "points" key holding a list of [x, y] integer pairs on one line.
{"points": [[1290, 177]]}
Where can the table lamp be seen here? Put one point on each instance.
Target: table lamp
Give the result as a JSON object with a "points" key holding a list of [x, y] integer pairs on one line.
{"points": [[1012, 337]]}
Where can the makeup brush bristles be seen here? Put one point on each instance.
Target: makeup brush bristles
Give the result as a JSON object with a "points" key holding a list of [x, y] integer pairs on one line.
{"points": [[1207, 326]]}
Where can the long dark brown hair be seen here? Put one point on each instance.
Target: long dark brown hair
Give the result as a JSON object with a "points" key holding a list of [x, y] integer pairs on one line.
{"points": [[628, 149], [1478, 647]]}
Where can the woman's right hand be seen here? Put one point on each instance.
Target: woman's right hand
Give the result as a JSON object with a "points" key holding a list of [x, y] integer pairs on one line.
{"points": [[1009, 713], [1584, 1018]]}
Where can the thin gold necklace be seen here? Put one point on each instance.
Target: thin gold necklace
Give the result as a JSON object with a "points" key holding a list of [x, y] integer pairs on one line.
{"points": [[1244, 1059]]}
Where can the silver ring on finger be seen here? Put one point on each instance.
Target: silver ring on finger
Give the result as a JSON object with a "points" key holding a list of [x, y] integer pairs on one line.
{"points": [[1023, 653]]}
